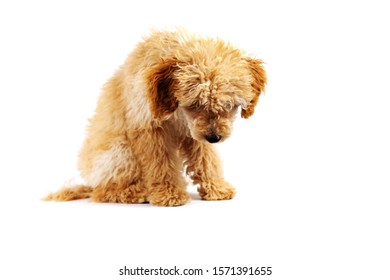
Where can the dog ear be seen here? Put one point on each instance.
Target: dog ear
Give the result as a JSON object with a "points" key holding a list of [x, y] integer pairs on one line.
{"points": [[258, 85], [161, 85]]}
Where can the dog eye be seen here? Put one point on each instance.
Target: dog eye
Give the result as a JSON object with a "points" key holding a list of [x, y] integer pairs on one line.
{"points": [[229, 106]]}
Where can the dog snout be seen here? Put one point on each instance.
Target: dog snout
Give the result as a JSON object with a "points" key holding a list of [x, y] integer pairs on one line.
{"points": [[213, 138]]}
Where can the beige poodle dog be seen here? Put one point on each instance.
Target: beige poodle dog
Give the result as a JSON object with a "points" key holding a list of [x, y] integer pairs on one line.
{"points": [[159, 115]]}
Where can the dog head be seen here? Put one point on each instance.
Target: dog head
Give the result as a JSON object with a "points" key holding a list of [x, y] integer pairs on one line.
{"points": [[206, 83]]}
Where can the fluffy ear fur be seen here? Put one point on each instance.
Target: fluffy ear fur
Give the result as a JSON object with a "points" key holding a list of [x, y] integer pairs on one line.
{"points": [[258, 85], [161, 85]]}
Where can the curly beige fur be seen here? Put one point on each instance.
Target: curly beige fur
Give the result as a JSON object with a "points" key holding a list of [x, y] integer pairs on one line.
{"points": [[175, 95]]}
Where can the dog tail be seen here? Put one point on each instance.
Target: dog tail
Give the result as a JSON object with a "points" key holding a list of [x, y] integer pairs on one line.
{"points": [[70, 193]]}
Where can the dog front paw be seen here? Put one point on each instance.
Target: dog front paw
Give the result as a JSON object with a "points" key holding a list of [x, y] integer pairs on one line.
{"points": [[220, 190], [168, 196]]}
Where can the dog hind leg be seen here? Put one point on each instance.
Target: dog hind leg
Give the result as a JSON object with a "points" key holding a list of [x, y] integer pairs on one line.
{"points": [[114, 173], [120, 193]]}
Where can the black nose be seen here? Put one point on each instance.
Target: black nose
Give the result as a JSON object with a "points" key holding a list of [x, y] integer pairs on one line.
{"points": [[213, 138]]}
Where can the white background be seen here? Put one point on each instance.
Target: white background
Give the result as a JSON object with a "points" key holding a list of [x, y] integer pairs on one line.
{"points": [[311, 167]]}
